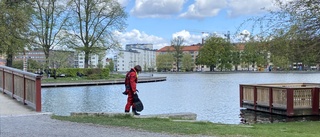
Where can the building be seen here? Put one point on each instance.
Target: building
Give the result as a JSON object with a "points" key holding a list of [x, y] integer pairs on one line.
{"points": [[80, 60], [136, 54], [36, 55], [57, 58], [193, 50]]}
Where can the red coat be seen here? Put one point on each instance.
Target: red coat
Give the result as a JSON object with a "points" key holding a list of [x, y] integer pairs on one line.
{"points": [[131, 81]]}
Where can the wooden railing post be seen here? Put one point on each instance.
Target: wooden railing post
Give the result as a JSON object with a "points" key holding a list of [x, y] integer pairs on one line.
{"points": [[270, 99], [3, 81], [315, 101], [290, 100], [255, 97], [24, 89], [12, 84], [38, 94], [241, 96]]}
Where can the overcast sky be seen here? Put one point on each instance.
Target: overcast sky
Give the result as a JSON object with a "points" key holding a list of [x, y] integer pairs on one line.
{"points": [[158, 21]]}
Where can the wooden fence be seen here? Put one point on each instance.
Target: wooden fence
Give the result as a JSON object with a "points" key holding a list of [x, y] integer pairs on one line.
{"points": [[290, 99], [23, 86]]}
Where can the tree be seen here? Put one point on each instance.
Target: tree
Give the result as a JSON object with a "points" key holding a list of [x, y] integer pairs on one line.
{"points": [[187, 62], [111, 66], [296, 25], [61, 59], [164, 62], [225, 57], [235, 57], [14, 21], [177, 44], [48, 19], [90, 31], [253, 55], [214, 52]]}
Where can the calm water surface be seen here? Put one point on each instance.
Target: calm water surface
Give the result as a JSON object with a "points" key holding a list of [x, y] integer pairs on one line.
{"points": [[213, 97]]}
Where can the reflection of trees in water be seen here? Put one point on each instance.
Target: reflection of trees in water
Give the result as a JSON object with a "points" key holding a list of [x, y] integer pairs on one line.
{"points": [[253, 117]]}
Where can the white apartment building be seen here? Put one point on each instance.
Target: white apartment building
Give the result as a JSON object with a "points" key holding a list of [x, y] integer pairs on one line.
{"points": [[92, 63], [136, 54]]}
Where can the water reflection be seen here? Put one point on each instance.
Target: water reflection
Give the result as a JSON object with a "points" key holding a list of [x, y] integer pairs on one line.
{"points": [[253, 117], [213, 97]]}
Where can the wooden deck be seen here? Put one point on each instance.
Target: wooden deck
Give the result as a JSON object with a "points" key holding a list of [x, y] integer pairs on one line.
{"points": [[290, 99]]}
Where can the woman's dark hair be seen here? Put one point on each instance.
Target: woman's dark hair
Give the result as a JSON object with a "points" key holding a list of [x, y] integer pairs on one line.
{"points": [[137, 68]]}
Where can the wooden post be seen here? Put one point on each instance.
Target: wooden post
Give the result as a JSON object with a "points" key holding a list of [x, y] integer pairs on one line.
{"points": [[290, 100], [38, 94], [3, 81], [255, 97], [24, 89], [12, 84], [315, 101], [270, 99], [241, 96]]}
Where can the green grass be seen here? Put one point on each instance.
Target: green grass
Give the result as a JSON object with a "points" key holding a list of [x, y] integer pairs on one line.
{"points": [[78, 79], [289, 129]]}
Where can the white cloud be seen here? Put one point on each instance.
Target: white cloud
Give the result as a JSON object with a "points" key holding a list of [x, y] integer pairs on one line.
{"points": [[189, 38], [157, 8], [123, 2], [135, 36], [204, 8], [249, 7]]}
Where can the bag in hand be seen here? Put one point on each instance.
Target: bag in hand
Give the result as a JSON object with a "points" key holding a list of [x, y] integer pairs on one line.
{"points": [[137, 103]]}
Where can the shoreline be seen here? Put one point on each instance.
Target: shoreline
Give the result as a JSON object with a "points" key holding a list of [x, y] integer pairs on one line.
{"points": [[100, 82]]}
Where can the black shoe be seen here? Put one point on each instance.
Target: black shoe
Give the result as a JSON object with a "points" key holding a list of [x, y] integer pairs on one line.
{"points": [[125, 93], [134, 111]]}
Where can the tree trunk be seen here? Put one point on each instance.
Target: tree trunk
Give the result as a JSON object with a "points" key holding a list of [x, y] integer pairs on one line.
{"points": [[9, 60]]}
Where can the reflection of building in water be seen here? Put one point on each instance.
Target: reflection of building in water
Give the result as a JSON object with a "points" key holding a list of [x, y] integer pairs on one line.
{"points": [[253, 117]]}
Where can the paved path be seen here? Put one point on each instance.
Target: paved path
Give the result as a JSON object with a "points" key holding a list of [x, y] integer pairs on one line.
{"points": [[18, 120]]}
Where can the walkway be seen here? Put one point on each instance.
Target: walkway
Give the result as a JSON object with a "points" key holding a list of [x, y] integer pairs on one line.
{"points": [[18, 120]]}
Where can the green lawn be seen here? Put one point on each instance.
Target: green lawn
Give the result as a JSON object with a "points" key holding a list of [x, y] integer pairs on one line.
{"points": [[78, 79], [289, 129]]}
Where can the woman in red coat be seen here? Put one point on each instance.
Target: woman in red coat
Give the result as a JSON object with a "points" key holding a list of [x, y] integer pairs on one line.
{"points": [[131, 88]]}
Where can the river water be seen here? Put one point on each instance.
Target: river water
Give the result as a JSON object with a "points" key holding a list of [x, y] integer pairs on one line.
{"points": [[212, 96]]}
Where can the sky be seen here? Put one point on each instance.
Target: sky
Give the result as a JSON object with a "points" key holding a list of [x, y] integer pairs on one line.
{"points": [[157, 22]]}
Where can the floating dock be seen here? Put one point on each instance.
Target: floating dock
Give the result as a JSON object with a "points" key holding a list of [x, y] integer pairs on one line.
{"points": [[289, 99]]}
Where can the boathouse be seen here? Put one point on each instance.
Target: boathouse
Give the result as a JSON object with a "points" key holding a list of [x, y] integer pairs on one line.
{"points": [[289, 99]]}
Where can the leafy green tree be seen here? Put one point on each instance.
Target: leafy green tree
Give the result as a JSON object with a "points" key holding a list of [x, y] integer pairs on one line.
{"points": [[61, 59], [235, 57], [225, 61], [215, 52], [14, 21], [177, 44], [293, 30], [187, 62], [90, 30], [111, 66], [164, 62], [255, 54]]}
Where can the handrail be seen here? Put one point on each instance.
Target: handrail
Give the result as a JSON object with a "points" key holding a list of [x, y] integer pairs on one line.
{"points": [[23, 86]]}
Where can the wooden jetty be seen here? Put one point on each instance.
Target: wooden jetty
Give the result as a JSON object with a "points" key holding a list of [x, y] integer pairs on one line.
{"points": [[289, 99]]}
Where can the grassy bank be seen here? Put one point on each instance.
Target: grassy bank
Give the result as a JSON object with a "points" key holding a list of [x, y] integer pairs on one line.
{"points": [[289, 129], [78, 79]]}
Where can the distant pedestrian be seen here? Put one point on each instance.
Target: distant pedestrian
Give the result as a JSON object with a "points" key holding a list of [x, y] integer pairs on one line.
{"points": [[48, 73], [131, 88], [54, 73]]}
